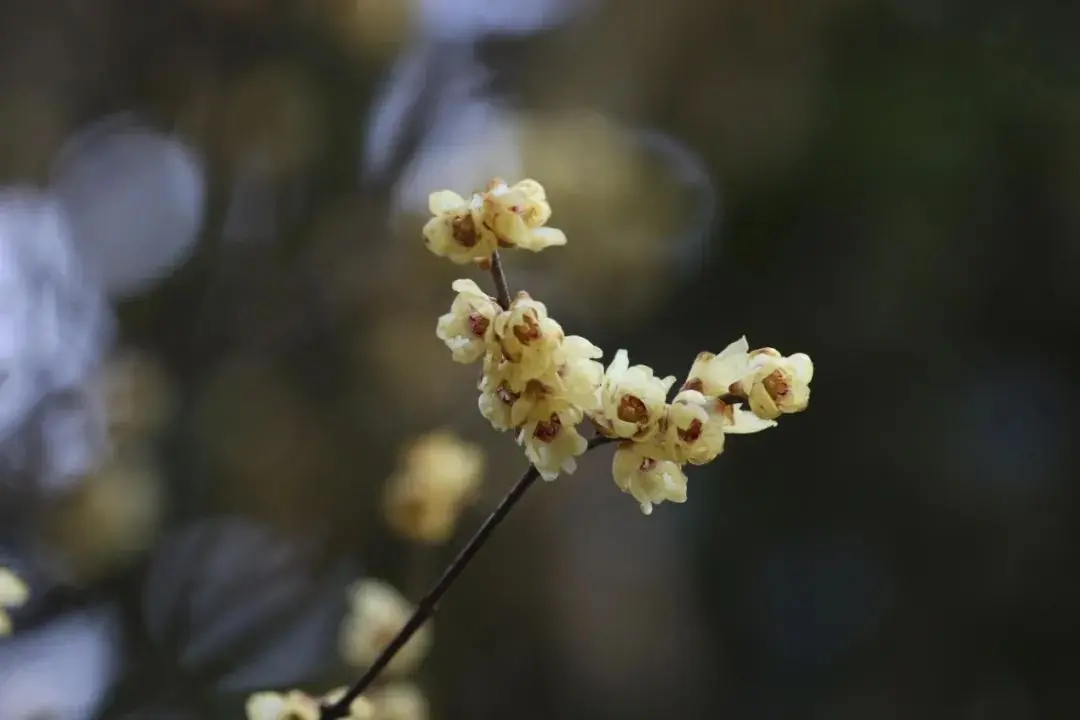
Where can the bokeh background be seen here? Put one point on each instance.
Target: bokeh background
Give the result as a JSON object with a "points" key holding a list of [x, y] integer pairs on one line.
{"points": [[217, 203]]}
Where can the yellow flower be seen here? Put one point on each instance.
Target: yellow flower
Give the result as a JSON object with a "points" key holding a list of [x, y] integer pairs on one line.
{"points": [[571, 382], [454, 232], [467, 329], [529, 340], [633, 400], [778, 385], [514, 215], [439, 475], [501, 406], [713, 375], [377, 613], [639, 472], [471, 230], [553, 445], [694, 428], [13, 593], [399, 701]]}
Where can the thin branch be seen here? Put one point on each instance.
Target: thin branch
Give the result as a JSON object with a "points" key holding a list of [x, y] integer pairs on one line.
{"points": [[502, 289], [428, 604]]}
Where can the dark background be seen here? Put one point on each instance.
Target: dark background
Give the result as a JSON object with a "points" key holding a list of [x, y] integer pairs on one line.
{"points": [[897, 193]]}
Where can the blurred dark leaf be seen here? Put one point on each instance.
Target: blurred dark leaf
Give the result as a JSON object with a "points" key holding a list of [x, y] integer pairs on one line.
{"points": [[239, 607], [60, 670]]}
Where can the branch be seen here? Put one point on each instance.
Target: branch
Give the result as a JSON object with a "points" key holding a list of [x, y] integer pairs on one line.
{"points": [[502, 289], [428, 604]]}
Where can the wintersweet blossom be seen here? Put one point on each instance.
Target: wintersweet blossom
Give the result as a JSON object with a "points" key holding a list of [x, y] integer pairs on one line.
{"points": [[694, 428], [504, 216], [553, 445], [454, 232], [571, 382], [529, 340], [467, 329], [13, 593], [377, 613], [439, 475], [714, 374], [640, 472], [632, 400], [778, 385], [399, 701], [515, 216]]}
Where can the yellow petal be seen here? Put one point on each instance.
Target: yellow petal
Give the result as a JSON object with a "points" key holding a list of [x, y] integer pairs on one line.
{"points": [[445, 201]]}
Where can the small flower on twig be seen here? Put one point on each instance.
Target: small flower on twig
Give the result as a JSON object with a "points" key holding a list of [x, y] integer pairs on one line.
{"points": [[632, 400], [467, 329], [472, 230], [777, 384]]}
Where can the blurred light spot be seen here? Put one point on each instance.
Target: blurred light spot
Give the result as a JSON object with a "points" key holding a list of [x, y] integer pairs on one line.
{"points": [[135, 199], [60, 671]]}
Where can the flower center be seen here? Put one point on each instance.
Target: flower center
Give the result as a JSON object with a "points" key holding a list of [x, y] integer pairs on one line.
{"points": [[478, 324], [464, 230], [632, 410]]}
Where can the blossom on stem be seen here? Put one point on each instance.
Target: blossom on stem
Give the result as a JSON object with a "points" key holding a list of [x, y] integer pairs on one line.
{"points": [[500, 216], [553, 445], [377, 613], [439, 475], [467, 329], [528, 339], [776, 384], [694, 428], [632, 400], [640, 471], [714, 374]]}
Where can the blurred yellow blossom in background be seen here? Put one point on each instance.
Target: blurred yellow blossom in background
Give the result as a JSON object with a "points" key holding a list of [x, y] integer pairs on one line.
{"points": [[399, 701], [13, 593], [439, 474], [138, 397], [109, 519], [296, 705], [377, 612], [112, 515]]}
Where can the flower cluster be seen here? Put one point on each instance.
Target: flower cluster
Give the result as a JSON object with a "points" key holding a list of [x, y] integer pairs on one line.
{"points": [[438, 476], [543, 384], [499, 217], [13, 593], [657, 439]]}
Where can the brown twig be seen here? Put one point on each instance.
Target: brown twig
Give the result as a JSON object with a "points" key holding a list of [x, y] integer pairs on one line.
{"points": [[428, 604], [502, 289]]}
